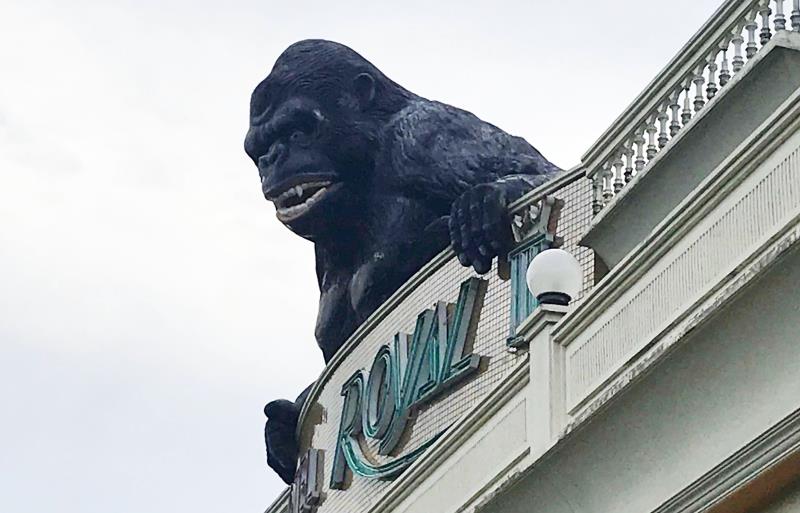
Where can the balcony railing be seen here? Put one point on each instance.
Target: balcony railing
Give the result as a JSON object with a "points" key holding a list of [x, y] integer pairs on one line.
{"points": [[733, 35]]}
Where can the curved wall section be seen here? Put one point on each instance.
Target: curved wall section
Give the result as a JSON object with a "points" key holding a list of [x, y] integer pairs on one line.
{"points": [[323, 416], [485, 337]]}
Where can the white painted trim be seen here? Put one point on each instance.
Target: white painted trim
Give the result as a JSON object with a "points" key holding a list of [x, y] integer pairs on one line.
{"points": [[454, 438], [753, 267], [783, 39], [281, 504], [538, 320], [701, 201], [554, 185], [769, 449], [698, 46]]}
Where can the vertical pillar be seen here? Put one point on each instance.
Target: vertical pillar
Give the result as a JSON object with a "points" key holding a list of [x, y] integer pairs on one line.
{"points": [[547, 415]]}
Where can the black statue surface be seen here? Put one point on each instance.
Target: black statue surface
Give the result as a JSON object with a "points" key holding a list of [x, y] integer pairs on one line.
{"points": [[381, 180]]}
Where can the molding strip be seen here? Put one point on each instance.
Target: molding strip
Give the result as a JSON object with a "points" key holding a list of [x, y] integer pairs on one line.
{"points": [[769, 449]]}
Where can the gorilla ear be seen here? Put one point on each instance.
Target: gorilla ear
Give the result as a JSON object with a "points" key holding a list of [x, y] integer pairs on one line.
{"points": [[364, 86]]}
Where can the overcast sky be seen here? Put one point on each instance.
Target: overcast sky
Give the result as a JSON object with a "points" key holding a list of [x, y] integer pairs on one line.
{"points": [[150, 302]]}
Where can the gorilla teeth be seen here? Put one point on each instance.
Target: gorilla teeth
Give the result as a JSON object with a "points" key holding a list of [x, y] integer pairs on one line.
{"points": [[298, 192], [293, 211]]}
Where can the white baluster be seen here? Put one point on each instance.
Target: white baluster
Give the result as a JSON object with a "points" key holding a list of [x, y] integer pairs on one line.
{"points": [[638, 140], [608, 185], [663, 117], [765, 12], [752, 47], [651, 130], [796, 16], [724, 71], [686, 113], [628, 152], [597, 193], [738, 41], [619, 180], [699, 80], [780, 18], [711, 88], [675, 107]]}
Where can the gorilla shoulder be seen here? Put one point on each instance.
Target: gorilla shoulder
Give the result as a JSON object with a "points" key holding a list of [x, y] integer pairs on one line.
{"points": [[438, 152]]}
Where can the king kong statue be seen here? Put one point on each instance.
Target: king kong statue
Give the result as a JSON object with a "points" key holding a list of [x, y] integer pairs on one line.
{"points": [[380, 180]]}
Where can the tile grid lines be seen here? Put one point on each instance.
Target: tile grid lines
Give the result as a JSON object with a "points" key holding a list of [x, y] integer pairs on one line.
{"points": [[490, 342]]}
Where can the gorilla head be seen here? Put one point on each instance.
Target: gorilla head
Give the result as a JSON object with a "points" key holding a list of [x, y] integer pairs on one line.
{"points": [[314, 124]]}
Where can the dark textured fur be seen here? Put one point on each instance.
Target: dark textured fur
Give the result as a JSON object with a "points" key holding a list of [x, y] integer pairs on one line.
{"points": [[408, 176]]}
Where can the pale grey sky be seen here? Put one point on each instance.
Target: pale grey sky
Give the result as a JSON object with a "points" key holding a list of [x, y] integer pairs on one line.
{"points": [[150, 303]]}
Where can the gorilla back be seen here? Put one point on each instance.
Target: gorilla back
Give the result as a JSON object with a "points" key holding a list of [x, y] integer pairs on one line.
{"points": [[381, 180]]}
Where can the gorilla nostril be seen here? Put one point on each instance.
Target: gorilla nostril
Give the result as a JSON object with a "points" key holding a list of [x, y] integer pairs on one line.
{"points": [[275, 152]]}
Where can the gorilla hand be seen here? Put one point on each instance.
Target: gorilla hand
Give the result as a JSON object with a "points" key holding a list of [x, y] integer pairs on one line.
{"points": [[480, 226], [279, 434]]}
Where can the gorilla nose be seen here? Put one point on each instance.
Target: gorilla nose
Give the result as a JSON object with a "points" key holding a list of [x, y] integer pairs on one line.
{"points": [[267, 163], [276, 151]]}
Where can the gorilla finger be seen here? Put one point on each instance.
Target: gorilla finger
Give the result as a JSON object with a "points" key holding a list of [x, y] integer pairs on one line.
{"points": [[482, 266], [497, 227], [497, 245], [461, 216], [503, 240], [472, 254], [455, 233], [486, 247], [463, 226], [475, 204], [495, 209], [488, 219], [464, 260]]}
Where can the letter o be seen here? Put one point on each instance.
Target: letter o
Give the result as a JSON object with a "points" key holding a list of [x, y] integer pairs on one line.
{"points": [[379, 405]]}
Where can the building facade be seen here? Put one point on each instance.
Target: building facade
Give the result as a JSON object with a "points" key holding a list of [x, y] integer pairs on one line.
{"points": [[669, 384]]}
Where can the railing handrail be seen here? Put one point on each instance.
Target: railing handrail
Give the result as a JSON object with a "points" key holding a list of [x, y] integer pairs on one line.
{"points": [[699, 46], [562, 180], [281, 503]]}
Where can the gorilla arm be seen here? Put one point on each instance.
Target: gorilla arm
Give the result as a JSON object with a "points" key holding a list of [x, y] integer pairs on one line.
{"points": [[467, 168]]}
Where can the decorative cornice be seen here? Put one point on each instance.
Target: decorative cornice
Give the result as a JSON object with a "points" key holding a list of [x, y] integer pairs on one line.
{"points": [[536, 322], [769, 449], [780, 40], [681, 65], [681, 220], [702, 310]]}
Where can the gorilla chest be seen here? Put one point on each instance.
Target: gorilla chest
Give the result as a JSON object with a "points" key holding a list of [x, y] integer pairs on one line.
{"points": [[392, 247], [347, 299]]}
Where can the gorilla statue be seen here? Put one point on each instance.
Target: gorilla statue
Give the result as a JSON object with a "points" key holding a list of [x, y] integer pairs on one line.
{"points": [[380, 180]]}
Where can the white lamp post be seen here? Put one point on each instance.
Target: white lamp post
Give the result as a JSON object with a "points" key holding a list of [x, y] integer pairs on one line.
{"points": [[554, 277]]}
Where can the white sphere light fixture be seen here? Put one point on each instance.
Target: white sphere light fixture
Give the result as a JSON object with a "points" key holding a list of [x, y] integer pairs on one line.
{"points": [[554, 277]]}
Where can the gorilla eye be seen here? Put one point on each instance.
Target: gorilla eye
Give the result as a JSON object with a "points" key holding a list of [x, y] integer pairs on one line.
{"points": [[298, 137]]}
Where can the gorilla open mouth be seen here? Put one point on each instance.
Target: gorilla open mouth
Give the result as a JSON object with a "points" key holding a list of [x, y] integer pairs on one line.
{"points": [[301, 198]]}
